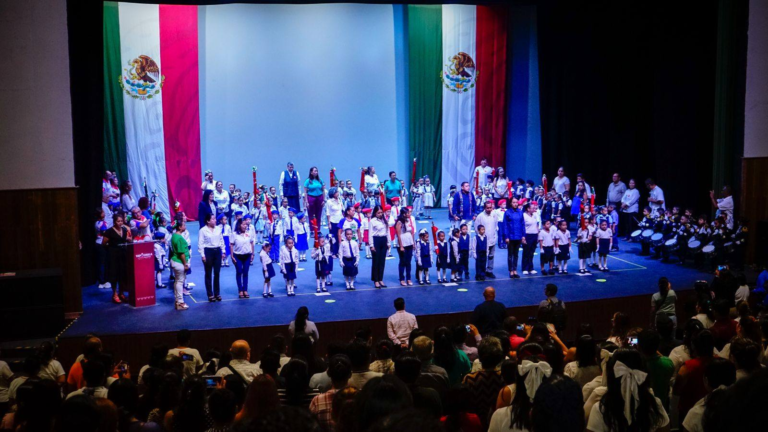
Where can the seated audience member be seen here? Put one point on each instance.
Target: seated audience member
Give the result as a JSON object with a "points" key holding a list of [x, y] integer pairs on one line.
{"points": [[719, 375], [343, 409], [339, 370], [37, 404], [412, 420], [689, 382], [594, 390], [303, 348], [555, 356], [78, 413], [486, 384], [270, 365], [743, 291], [458, 418], [125, 395], [408, 369], [628, 400], [661, 370], [30, 369], [360, 355], [50, 368], [241, 363], [667, 329], [432, 376], [156, 357], [222, 406], [460, 333], [586, 367], [620, 326], [584, 329], [515, 332], [260, 400], [724, 328], [296, 392], [557, 406], [740, 409], [380, 397], [191, 357], [704, 312], [400, 325], [684, 351], [383, 352], [455, 362], [745, 355], [191, 413], [277, 344], [508, 371], [517, 416], [321, 380], [91, 349], [95, 376], [168, 396]]}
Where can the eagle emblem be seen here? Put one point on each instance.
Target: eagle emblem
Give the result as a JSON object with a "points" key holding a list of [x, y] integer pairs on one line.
{"points": [[142, 79], [459, 74]]}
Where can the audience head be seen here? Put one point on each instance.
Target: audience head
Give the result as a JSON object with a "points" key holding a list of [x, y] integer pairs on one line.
{"points": [[261, 398], [359, 354], [586, 351], [550, 290], [399, 304], [339, 370], [422, 347], [722, 309], [183, 338], [490, 353], [383, 349], [222, 406], [296, 374], [626, 369], [745, 354], [78, 414], [240, 350], [408, 367], [489, 294], [270, 362], [444, 350], [558, 406], [379, 398], [37, 404], [648, 342]]}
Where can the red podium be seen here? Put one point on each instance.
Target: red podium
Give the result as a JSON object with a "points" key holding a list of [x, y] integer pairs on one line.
{"points": [[140, 273]]}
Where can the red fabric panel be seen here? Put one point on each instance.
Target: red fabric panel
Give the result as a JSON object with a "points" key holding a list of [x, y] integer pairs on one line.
{"points": [[490, 100], [181, 105]]}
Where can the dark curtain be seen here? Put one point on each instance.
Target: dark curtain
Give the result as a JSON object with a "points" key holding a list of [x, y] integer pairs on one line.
{"points": [[84, 19], [629, 87]]}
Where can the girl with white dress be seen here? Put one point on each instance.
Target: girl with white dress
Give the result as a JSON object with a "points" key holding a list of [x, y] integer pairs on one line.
{"points": [[428, 197]]}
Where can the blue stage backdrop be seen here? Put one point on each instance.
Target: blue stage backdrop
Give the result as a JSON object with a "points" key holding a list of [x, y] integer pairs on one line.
{"points": [[310, 84]]}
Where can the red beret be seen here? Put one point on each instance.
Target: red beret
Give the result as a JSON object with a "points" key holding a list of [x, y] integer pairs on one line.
{"points": [[368, 210], [501, 200], [396, 199], [387, 207], [357, 205]]}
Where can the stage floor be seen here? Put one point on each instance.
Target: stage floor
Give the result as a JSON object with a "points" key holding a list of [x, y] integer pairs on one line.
{"points": [[630, 275]]}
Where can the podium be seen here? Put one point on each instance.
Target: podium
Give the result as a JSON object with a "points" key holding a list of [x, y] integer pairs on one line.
{"points": [[140, 273]]}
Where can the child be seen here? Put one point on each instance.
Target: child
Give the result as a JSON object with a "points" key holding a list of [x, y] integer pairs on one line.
{"points": [[499, 212], [349, 250], [284, 209], [547, 248], [647, 223], [423, 252], [275, 232], [563, 245], [289, 224], [463, 244], [479, 248], [443, 259], [260, 219], [428, 197], [302, 236], [226, 232], [322, 256], [393, 214], [388, 217], [451, 218], [238, 206], [272, 196], [330, 240], [247, 201], [584, 239], [592, 227], [614, 227], [546, 210], [365, 226], [528, 193], [159, 259], [418, 204], [604, 237], [557, 207], [289, 257], [267, 268], [454, 255]]}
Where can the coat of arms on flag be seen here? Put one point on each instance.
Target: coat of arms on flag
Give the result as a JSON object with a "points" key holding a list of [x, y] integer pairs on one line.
{"points": [[142, 79], [459, 75]]}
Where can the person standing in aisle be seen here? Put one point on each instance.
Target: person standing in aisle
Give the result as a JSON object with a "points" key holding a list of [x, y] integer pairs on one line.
{"points": [[210, 245]]}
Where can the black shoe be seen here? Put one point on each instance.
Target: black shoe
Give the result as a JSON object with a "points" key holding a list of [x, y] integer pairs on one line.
{"points": [[212, 299], [421, 282], [516, 276], [270, 294], [427, 282], [329, 284], [218, 298], [490, 275], [265, 295]]}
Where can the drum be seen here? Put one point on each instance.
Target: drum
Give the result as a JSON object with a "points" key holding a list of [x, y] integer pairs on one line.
{"points": [[728, 247], [636, 236], [646, 234], [708, 250], [694, 245], [691, 240], [671, 244], [657, 239]]}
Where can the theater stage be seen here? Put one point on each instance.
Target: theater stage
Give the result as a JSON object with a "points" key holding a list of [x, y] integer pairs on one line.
{"points": [[630, 275]]}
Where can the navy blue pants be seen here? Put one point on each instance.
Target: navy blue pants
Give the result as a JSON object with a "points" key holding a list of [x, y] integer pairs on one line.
{"points": [[212, 271], [404, 266], [242, 265], [513, 249], [528, 250]]}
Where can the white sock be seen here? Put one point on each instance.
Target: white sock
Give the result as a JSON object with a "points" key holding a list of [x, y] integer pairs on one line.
{"points": [[318, 284], [266, 285], [322, 283], [159, 278]]}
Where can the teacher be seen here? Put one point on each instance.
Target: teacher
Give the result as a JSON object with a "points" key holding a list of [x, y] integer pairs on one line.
{"points": [[371, 180], [314, 189], [629, 210], [206, 207], [514, 228], [379, 246], [289, 187], [115, 238], [392, 187]]}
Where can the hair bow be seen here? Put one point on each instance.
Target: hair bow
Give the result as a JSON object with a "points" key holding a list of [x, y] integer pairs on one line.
{"points": [[630, 383], [534, 374]]}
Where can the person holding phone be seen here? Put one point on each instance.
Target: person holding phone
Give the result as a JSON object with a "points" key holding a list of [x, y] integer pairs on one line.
{"points": [[190, 356]]}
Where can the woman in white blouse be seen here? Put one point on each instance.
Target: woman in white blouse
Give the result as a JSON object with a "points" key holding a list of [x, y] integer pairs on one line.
{"points": [[371, 179], [404, 229], [126, 199], [221, 198], [210, 245], [242, 255], [334, 211], [302, 324], [379, 235], [500, 184], [629, 209], [530, 240]]}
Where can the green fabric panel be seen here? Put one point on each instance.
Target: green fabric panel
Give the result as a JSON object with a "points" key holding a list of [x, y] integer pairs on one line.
{"points": [[425, 50], [114, 121]]}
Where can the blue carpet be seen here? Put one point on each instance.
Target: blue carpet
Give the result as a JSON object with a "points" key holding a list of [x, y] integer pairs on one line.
{"points": [[630, 275]]}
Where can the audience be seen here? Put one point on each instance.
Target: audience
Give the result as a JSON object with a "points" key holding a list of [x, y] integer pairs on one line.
{"points": [[525, 377]]}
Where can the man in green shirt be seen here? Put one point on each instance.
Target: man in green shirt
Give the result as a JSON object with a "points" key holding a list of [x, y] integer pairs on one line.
{"points": [[179, 263], [660, 368]]}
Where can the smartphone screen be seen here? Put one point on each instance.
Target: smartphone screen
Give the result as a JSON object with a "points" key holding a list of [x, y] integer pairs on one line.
{"points": [[212, 381], [188, 357], [469, 329], [633, 341]]}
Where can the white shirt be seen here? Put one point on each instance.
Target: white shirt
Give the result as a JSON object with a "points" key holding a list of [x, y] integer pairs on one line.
{"points": [[107, 214], [265, 259], [372, 182], [246, 369], [221, 199], [597, 424], [545, 237], [190, 366], [128, 203], [501, 420], [52, 371], [483, 175], [531, 225], [5, 381], [350, 249], [603, 234], [693, 421], [658, 194], [406, 232], [379, 228], [333, 209], [558, 184], [490, 222], [95, 392], [500, 187], [209, 238], [742, 293], [298, 182], [563, 238], [631, 198], [286, 255], [242, 244], [725, 206], [209, 185]]}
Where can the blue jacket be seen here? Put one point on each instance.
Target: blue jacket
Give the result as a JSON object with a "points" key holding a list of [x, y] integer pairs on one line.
{"points": [[203, 209], [514, 225], [470, 206]]}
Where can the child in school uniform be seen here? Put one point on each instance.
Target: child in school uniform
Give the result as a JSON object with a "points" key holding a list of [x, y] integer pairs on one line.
{"points": [[528, 193], [284, 209], [443, 257], [454, 256], [349, 249], [226, 232], [451, 218], [428, 197], [614, 227], [563, 246], [267, 268], [604, 237], [160, 255], [274, 229], [302, 236], [501, 203], [547, 248], [463, 243], [365, 226], [394, 212], [330, 240], [290, 224], [479, 251], [584, 241], [648, 222], [238, 206], [289, 259], [423, 253], [322, 256], [592, 227], [260, 219]]}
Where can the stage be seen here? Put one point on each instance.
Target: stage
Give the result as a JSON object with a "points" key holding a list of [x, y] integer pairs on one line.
{"points": [[630, 275]]}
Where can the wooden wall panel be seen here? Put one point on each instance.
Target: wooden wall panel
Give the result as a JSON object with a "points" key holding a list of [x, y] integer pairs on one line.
{"points": [[40, 231], [754, 199]]}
